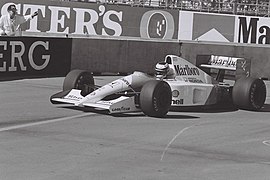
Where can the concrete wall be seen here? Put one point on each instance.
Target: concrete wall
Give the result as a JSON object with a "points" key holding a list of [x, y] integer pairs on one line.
{"points": [[112, 55]]}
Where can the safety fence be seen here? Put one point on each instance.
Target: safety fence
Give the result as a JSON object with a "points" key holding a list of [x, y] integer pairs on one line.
{"points": [[240, 7]]}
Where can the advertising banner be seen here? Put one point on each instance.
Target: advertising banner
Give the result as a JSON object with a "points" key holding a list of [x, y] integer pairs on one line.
{"points": [[255, 30], [206, 27], [22, 57], [223, 28], [78, 18]]}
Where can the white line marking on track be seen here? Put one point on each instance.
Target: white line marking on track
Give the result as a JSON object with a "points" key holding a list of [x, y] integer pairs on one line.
{"points": [[267, 142], [173, 139], [156, 119], [43, 122]]}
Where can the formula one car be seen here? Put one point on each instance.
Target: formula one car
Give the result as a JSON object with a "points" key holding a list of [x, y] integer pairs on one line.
{"points": [[188, 86]]}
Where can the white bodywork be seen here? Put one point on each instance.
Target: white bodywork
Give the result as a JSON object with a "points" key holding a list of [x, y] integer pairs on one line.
{"points": [[195, 94], [119, 105], [190, 87]]}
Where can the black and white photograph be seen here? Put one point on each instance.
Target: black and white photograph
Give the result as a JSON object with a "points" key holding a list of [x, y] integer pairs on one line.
{"points": [[134, 90]]}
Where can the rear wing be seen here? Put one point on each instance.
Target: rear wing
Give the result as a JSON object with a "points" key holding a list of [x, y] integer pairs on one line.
{"points": [[224, 66]]}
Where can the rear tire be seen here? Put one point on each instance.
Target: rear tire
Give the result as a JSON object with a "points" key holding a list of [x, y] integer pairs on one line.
{"points": [[79, 79], [155, 98], [249, 93]]}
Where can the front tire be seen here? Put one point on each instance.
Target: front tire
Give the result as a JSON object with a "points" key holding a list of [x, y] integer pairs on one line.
{"points": [[155, 98], [249, 93], [79, 79]]}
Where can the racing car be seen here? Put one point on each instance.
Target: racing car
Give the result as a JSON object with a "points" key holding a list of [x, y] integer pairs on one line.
{"points": [[155, 96]]}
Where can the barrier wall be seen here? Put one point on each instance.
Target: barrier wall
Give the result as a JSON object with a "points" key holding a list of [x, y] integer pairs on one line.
{"points": [[25, 57], [112, 55], [157, 32]]}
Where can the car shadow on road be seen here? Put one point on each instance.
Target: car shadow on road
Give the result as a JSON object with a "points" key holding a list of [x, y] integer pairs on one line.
{"points": [[179, 116], [168, 116], [201, 109], [217, 109], [206, 109], [265, 108], [125, 115]]}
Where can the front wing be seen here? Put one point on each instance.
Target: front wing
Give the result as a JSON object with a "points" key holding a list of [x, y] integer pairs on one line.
{"points": [[122, 104]]}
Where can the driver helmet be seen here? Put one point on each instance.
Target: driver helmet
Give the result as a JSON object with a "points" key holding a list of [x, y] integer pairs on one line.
{"points": [[162, 69]]}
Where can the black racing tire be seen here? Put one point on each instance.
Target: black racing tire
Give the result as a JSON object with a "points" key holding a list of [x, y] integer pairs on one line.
{"points": [[79, 79], [155, 98], [249, 93]]}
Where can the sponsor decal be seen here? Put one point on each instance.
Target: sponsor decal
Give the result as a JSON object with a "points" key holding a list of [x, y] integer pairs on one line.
{"points": [[105, 102], [245, 67], [185, 79], [194, 80], [119, 109], [157, 24], [178, 101], [175, 93], [186, 70], [73, 97], [114, 84], [223, 61], [19, 54], [125, 81]]}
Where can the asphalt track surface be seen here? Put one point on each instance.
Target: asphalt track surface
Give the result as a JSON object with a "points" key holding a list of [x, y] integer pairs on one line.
{"points": [[39, 141]]}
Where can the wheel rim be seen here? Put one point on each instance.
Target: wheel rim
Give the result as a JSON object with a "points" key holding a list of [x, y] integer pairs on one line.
{"points": [[164, 101], [84, 83], [258, 94]]}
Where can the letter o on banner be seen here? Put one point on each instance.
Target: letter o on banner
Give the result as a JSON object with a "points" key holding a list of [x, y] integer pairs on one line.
{"points": [[165, 21]]}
